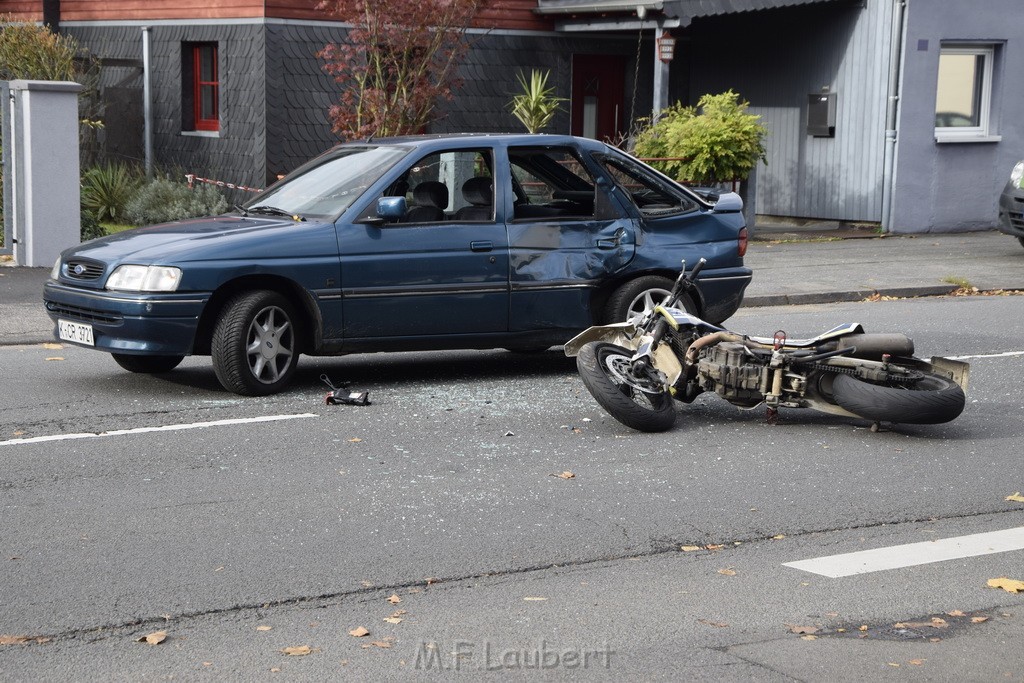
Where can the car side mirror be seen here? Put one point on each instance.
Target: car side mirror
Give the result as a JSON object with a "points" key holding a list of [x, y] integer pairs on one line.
{"points": [[391, 209]]}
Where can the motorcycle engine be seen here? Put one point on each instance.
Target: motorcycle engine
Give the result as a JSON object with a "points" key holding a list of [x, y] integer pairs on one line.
{"points": [[727, 370]]}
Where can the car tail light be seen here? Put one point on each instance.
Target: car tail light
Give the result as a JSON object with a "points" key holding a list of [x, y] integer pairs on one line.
{"points": [[743, 242]]}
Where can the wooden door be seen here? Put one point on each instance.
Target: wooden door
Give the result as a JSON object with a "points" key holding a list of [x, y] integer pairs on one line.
{"points": [[598, 96]]}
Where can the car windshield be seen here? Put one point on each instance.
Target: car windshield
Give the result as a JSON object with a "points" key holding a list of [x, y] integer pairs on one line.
{"points": [[327, 186]]}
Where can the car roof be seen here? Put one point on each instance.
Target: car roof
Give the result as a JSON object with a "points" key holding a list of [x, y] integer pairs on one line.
{"points": [[468, 139]]}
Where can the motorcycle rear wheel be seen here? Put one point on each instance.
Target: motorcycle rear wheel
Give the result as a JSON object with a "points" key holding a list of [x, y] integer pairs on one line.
{"points": [[634, 401], [931, 400]]}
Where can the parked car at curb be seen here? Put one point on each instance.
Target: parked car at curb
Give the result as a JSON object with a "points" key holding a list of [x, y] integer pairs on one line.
{"points": [[414, 243], [1011, 204]]}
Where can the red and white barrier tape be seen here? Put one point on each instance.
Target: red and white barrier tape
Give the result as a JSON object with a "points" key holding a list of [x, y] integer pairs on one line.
{"points": [[191, 177]]}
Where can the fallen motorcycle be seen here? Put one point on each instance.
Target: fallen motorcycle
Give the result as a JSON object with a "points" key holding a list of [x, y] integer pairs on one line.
{"points": [[638, 368]]}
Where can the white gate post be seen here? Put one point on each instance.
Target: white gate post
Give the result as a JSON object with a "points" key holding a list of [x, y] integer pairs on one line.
{"points": [[45, 174]]}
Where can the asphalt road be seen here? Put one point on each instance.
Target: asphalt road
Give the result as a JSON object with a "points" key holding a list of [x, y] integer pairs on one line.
{"points": [[241, 538]]}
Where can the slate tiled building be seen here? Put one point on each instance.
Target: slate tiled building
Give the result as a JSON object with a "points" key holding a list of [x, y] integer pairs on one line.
{"points": [[901, 113]]}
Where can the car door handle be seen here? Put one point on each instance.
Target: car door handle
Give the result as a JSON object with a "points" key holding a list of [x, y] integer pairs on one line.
{"points": [[481, 245]]}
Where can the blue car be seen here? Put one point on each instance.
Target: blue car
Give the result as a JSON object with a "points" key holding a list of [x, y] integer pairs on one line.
{"points": [[413, 243]]}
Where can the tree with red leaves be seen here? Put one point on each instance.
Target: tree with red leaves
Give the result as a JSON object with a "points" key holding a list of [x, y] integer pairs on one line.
{"points": [[398, 59]]}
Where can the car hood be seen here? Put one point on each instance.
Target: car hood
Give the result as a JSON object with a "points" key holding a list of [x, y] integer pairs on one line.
{"points": [[186, 240]]}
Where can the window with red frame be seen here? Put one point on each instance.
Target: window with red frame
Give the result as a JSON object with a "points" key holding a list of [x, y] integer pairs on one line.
{"points": [[201, 94]]}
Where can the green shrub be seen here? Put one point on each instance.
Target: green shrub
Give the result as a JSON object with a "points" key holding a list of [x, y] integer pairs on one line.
{"points": [[163, 200], [714, 141], [107, 189], [91, 227]]}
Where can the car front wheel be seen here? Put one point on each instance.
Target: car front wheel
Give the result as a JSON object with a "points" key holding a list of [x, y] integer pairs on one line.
{"points": [[255, 344]]}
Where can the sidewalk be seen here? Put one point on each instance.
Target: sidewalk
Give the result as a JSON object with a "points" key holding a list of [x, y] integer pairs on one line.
{"points": [[792, 265]]}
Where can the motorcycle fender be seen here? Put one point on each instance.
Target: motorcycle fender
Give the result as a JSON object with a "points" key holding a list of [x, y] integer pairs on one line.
{"points": [[666, 361], [956, 370], [620, 334]]}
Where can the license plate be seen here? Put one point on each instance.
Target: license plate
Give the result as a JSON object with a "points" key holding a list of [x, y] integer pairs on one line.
{"points": [[79, 333]]}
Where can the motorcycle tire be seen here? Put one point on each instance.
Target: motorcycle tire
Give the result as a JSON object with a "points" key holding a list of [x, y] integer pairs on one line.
{"points": [[932, 400], [640, 410]]}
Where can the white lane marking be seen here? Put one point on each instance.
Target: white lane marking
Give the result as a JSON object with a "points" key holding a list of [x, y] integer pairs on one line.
{"points": [[164, 428], [989, 355], [913, 554]]}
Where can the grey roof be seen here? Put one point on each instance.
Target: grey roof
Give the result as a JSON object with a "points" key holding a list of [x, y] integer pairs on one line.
{"points": [[670, 8], [707, 8]]}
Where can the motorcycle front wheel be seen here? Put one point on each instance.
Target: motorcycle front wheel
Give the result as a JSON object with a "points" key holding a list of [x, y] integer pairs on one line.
{"points": [[637, 402], [931, 400]]}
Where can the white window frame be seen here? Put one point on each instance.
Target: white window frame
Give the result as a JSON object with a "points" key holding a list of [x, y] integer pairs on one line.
{"points": [[983, 131]]}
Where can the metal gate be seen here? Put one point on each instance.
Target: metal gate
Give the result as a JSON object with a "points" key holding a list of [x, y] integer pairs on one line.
{"points": [[7, 245]]}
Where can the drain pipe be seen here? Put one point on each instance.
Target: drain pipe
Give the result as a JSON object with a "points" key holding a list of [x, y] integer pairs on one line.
{"points": [[147, 108], [891, 111]]}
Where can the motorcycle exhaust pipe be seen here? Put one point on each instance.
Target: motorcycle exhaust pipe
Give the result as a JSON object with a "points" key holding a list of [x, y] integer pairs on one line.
{"points": [[874, 346]]}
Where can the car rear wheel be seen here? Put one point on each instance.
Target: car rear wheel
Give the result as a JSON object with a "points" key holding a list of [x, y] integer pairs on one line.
{"points": [[640, 295], [147, 364], [255, 344]]}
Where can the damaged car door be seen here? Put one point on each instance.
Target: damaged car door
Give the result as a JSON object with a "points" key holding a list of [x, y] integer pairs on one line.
{"points": [[566, 237]]}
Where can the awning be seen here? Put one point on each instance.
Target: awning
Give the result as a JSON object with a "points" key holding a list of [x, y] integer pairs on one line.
{"points": [[617, 14]]}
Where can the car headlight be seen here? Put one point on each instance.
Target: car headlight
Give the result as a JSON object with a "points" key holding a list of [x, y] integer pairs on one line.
{"points": [[144, 278], [55, 271], [1016, 174]]}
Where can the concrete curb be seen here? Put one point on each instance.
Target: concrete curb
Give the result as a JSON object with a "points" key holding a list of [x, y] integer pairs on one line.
{"points": [[838, 297]]}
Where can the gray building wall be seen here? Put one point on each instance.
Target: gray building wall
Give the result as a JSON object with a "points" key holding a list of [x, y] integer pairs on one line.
{"points": [[775, 59], [275, 96], [237, 153], [945, 187]]}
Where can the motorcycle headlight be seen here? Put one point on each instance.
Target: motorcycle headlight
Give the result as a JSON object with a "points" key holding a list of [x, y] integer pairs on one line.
{"points": [[1016, 174], [144, 278], [55, 271]]}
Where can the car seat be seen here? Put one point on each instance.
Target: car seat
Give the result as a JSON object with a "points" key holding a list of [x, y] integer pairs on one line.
{"points": [[479, 193], [429, 201]]}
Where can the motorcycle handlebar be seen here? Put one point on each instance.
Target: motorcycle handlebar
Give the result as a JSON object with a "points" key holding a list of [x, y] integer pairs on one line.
{"points": [[697, 268]]}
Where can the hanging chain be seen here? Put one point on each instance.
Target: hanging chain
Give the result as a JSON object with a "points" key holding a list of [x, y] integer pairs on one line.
{"points": [[636, 78]]}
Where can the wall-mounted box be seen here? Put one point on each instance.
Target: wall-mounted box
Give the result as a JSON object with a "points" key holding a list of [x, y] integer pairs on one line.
{"points": [[821, 114]]}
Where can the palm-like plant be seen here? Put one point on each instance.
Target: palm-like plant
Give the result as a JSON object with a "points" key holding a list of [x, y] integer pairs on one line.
{"points": [[107, 189], [537, 104]]}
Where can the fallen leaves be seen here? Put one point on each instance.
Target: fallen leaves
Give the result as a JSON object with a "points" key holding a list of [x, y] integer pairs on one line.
{"points": [[55, 358], [564, 475], [1016, 498], [394, 599], [22, 640], [384, 643], [154, 638], [803, 630], [360, 632], [263, 628], [727, 572], [299, 650], [1008, 585], [534, 599], [936, 622], [717, 625]]}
